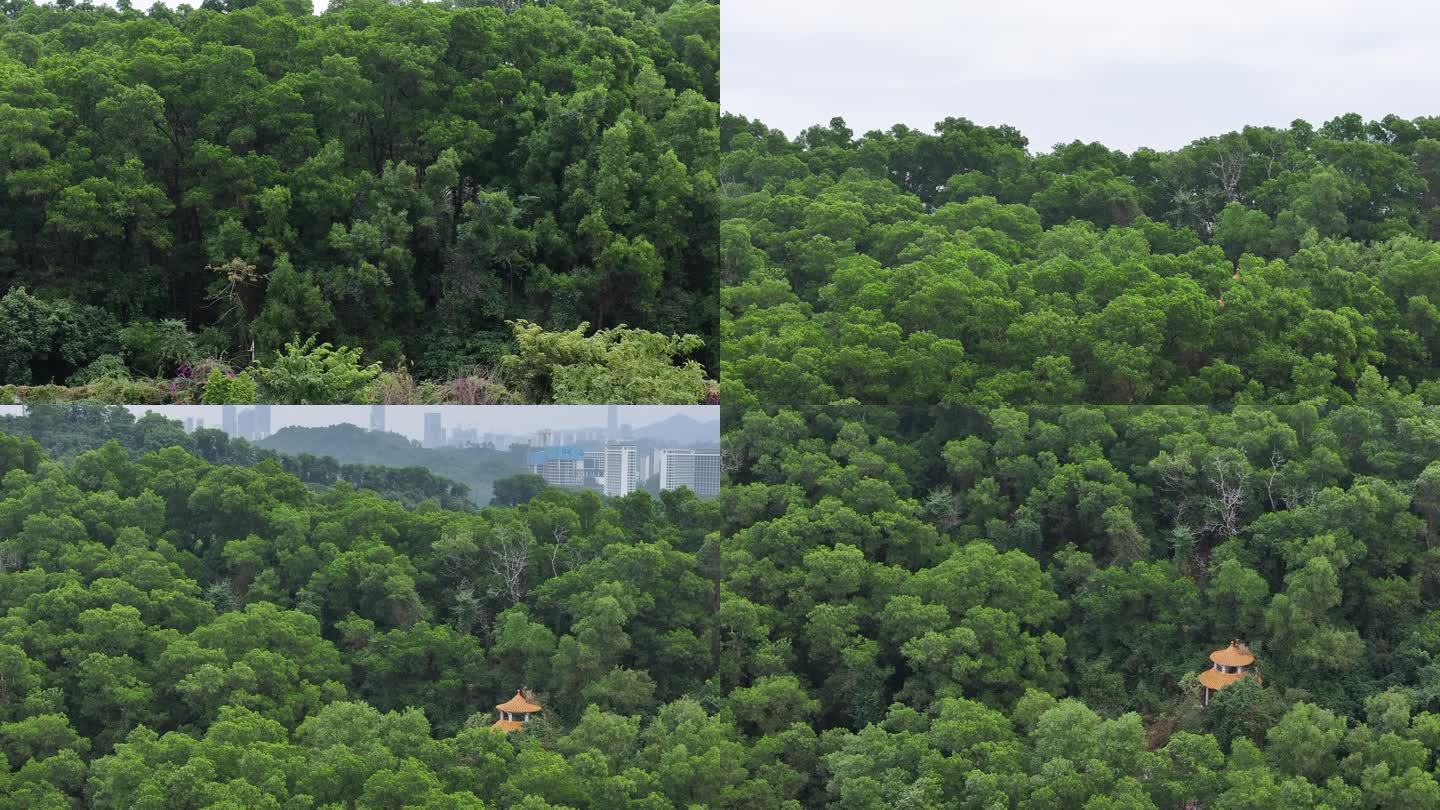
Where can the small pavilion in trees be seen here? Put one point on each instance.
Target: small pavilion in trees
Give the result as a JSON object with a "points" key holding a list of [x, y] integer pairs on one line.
{"points": [[1230, 665], [516, 712]]}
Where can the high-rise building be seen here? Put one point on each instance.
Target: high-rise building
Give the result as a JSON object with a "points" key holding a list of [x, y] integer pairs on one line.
{"points": [[699, 470], [592, 470], [707, 473], [559, 465], [229, 421], [246, 428], [612, 423], [677, 467], [434, 430], [262, 421], [377, 418], [621, 471], [189, 424]]}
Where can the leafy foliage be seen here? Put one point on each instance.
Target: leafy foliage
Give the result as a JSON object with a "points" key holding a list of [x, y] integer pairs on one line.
{"points": [[223, 388], [306, 373], [943, 607], [613, 365], [39, 332], [179, 629], [403, 177], [1267, 265]]}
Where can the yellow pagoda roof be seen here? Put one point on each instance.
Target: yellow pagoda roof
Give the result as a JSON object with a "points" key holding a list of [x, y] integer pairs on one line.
{"points": [[518, 704], [1215, 679], [507, 726], [1236, 655]]}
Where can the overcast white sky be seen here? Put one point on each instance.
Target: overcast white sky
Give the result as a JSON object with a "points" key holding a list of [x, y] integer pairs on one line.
{"points": [[1128, 73]]}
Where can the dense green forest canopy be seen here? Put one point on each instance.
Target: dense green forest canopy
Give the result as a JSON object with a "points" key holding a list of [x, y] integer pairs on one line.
{"points": [[404, 177], [941, 607], [1266, 265], [177, 632]]}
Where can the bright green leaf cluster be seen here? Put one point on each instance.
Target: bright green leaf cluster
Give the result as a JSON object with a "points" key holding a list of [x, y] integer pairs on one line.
{"points": [[612, 365], [307, 373]]}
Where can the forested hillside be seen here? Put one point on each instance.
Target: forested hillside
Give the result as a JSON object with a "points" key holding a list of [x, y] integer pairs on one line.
{"points": [[177, 185], [477, 468], [1267, 265], [67, 431], [180, 633], [940, 607]]}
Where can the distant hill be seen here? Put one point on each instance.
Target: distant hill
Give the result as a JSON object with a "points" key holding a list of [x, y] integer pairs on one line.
{"points": [[682, 430], [351, 444]]}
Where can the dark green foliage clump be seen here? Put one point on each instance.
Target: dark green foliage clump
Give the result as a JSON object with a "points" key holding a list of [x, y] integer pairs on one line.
{"points": [[1267, 265], [936, 607], [404, 177]]}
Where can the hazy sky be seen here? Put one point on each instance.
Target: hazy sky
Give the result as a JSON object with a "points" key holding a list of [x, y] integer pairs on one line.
{"points": [[515, 420], [1128, 73]]}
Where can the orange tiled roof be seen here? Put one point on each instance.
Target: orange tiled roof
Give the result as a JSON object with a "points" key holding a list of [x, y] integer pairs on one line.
{"points": [[1236, 655], [1215, 679], [507, 726], [518, 704]]}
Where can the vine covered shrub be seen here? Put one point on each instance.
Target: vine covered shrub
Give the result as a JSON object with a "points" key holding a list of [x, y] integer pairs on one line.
{"points": [[104, 367], [311, 374], [612, 365], [226, 389]]}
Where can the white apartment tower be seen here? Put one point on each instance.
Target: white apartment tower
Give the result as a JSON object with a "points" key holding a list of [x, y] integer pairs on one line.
{"points": [[622, 474], [699, 470]]}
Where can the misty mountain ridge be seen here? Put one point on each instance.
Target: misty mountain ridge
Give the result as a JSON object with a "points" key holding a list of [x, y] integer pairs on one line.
{"points": [[682, 430], [475, 467]]}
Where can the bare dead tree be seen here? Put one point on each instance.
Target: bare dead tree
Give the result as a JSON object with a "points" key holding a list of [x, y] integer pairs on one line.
{"points": [[1276, 459], [1228, 169], [509, 560], [564, 552], [1275, 153], [562, 538], [1295, 497], [1228, 477]]}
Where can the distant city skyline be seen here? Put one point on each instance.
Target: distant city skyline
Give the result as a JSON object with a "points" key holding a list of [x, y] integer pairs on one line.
{"points": [[408, 420]]}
